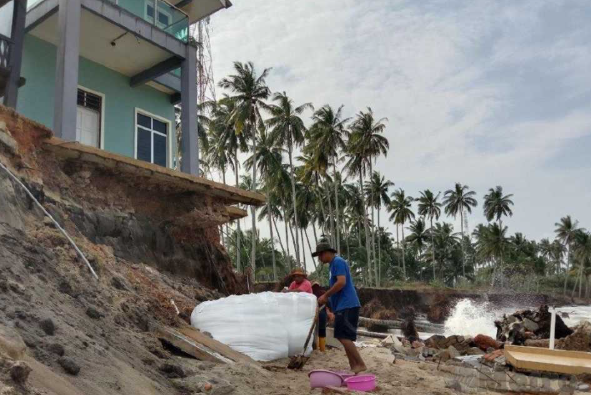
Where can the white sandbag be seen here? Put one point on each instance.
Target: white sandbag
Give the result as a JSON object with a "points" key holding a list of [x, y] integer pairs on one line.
{"points": [[264, 326]]}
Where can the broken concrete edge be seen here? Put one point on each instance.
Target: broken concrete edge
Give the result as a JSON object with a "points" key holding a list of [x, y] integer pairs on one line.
{"points": [[75, 150], [236, 213]]}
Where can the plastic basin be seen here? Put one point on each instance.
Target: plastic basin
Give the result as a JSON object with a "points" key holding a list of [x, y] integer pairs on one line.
{"points": [[324, 378], [363, 383], [345, 375]]}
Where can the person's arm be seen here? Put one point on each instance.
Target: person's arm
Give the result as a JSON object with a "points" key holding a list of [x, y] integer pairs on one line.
{"points": [[340, 284]]}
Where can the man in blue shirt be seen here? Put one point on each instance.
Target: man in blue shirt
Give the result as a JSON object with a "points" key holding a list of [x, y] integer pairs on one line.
{"points": [[343, 301]]}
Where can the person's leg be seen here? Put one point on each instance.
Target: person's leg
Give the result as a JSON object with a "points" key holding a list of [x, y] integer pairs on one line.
{"points": [[355, 360], [322, 318]]}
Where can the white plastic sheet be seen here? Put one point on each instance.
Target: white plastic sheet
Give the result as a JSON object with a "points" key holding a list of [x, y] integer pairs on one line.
{"points": [[264, 326]]}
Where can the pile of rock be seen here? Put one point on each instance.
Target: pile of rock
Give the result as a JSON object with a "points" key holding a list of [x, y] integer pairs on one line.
{"points": [[525, 325], [441, 348]]}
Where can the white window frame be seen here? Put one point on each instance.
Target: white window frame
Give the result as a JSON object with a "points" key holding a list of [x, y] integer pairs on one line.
{"points": [[168, 136], [156, 11], [102, 128]]}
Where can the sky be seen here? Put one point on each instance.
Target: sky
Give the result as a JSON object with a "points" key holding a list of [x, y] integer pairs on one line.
{"points": [[480, 92]]}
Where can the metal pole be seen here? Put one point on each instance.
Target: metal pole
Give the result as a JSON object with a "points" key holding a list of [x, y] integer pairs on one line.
{"points": [[552, 328]]}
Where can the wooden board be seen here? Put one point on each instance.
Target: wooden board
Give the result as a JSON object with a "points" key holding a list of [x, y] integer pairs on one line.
{"points": [[546, 360], [215, 345], [190, 346]]}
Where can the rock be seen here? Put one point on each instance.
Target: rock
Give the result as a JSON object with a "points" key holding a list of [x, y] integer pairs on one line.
{"points": [[57, 349], [453, 385], [16, 288], [119, 283], [494, 355], [172, 371], [65, 288], [388, 341], [474, 351], [398, 347], [453, 352], [435, 341], [11, 342], [530, 325], [484, 342], [443, 356], [48, 326], [93, 313], [417, 344], [19, 372], [542, 343], [69, 365]]}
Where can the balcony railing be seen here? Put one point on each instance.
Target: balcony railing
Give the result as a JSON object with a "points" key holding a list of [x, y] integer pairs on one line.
{"points": [[5, 48], [157, 12], [160, 14]]}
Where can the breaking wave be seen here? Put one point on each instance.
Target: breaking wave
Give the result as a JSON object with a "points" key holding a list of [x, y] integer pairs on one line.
{"points": [[469, 318]]}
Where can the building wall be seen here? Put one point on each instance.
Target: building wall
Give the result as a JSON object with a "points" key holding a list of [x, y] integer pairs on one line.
{"points": [[36, 97]]}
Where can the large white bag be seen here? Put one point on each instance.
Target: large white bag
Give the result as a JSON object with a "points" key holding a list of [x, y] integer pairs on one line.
{"points": [[264, 326]]}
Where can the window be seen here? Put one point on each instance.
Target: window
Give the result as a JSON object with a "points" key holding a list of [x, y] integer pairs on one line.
{"points": [[151, 139], [6, 16], [163, 20], [89, 118]]}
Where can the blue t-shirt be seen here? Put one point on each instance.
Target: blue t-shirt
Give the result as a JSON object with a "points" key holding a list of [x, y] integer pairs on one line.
{"points": [[346, 298]]}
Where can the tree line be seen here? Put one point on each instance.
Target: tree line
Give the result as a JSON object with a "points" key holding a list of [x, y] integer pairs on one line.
{"points": [[320, 180]]}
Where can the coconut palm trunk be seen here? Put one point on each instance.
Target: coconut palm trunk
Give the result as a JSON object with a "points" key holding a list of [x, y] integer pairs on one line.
{"points": [[462, 244], [433, 248], [310, 247], [285, 222], [379, 263], [366, 229], [403, 254], [270, 217], [238, 246], [293, 195], [331, 217], [278, 235], [253, 253], [567, 267], [303, 255], [336, 198], [290, 226]]}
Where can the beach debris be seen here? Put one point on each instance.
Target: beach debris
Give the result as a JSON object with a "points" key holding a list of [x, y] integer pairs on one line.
{"points": [[485, 342], [525, 325]]}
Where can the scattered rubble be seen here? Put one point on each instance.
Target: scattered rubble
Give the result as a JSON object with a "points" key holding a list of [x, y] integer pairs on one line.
{"points": [[525, 325]]}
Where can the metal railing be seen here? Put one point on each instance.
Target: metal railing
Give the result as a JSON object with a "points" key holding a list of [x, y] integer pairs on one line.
{"points": [[5, 48], [159, 13]]}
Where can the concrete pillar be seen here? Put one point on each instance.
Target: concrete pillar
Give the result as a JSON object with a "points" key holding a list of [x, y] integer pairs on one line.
{"points": [[189, 142], [66, 78], [16, 52]]}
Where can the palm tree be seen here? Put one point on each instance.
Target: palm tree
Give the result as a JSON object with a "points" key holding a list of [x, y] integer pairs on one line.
{"points": [[496, 205], [367, 142], [269, 164], [328, 134], [288, 129], [565, 231], [456, 201], [401, 208], [491, 244], [378, 193], [249, 94], [227, 139], [418, 235], [582, 252], [430, 207]]}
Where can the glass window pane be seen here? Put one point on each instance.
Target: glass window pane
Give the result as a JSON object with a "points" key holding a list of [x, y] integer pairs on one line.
{"points": [[144, 121], [144, 145], [160, 126], [164, 19], [6, 13], [150, 11], [160, 150]]}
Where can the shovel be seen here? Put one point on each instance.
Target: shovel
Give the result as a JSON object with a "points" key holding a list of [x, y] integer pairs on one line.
{"points": [[297, 362]]}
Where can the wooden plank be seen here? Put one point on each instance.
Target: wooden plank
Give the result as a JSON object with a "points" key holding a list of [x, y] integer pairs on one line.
{"points": [[543, 359], [215, 345], [190, 346]]}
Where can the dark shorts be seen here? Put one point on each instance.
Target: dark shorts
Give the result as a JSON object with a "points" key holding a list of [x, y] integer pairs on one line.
{"points": [[345, 324]]}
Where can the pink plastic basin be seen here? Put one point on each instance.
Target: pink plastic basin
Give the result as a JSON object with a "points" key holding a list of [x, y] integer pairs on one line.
{"points": [[324, 378], [345, 375], [363, 383]]}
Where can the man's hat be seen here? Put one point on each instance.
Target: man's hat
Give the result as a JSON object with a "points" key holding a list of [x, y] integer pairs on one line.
{"points": [[323, 245], [298, 272]]}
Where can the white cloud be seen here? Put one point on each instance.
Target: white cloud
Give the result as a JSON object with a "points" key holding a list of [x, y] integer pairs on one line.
{"points": [[485, 93]]}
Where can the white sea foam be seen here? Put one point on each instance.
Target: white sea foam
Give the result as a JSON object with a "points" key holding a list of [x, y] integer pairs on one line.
{"points": [[469, 318]]}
